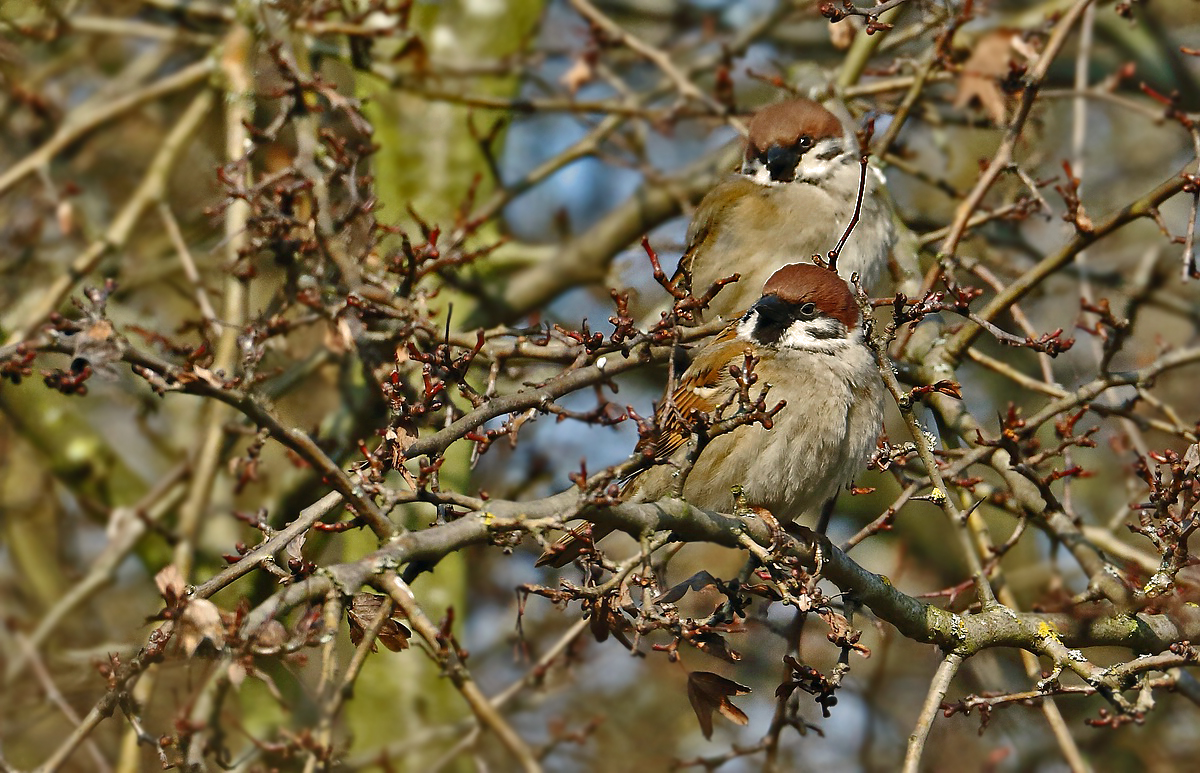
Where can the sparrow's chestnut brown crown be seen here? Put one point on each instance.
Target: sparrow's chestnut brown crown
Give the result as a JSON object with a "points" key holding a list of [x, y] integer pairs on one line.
{"points": [[781, 133], [800, 284]]}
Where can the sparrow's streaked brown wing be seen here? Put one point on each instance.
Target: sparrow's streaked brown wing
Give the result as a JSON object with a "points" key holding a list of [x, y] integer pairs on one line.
{"points": [[703, 387]]}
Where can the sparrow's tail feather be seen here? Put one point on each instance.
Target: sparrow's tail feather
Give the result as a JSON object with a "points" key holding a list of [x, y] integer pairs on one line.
{"points": [[572, 545]]}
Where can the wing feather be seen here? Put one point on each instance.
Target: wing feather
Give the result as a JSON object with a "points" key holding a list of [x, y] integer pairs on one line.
{"points": [[707, 220], [703, 387]]}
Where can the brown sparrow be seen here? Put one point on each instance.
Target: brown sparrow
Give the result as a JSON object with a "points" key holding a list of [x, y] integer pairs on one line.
{"points": [[806, 335], [793, 198]]}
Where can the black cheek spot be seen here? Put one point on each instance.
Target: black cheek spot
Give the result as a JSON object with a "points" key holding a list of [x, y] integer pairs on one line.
{"points": [[831, 329]]}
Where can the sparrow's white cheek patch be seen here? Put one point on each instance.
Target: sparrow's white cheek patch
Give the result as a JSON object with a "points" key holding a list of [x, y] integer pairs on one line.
{"points": [[824, 335], [746, 327], [822, 161], [759, 174], [814, 171]]}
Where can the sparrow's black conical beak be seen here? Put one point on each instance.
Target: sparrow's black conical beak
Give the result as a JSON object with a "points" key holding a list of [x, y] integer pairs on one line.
{"points": [[781, 163], [771, 307], [773, 318]]}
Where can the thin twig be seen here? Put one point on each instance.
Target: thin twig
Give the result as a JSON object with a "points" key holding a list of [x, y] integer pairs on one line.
{"points": [[456, 670], [76, 126], [150, 191], [56, 697], [929, 710], [655, 56], [504, 696], [207, 312], [236, 57]]}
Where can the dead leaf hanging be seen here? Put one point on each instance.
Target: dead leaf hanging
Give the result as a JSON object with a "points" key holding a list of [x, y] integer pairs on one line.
{"points": [[364, 609], [708, 691]]}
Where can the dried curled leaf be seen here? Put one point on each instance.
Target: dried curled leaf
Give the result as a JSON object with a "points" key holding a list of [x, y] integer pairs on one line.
{"points": [[295, 549], [201, 622], [580, 73], [712, 643], [606, 618], [269, 638], [363, 610], [950, 388], [708, 691], [170, 584], [980, 75], [698, 581], [841, 34]]}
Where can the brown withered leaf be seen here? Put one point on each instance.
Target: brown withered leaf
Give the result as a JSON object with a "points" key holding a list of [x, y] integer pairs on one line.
{"points": [[578, 74], [981, 72], [841, 34], [618, 623], [363, 610], [606, 618], [201, 622], [1191, 459], [714, 644], [764, 590], [64, 213], [708, 691], [951, 388], [414, 50], [269, 638], [598, 623], [698, 581], [295, 548], [170, 584]]}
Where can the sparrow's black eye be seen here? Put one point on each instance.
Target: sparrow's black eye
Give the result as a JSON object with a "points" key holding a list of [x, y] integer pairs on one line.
{"points": [[807, 311], [804, 143]]}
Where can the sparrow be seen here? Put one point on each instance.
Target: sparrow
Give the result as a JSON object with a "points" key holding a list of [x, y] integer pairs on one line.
{"points": [[792, 199], [805, 335]]}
